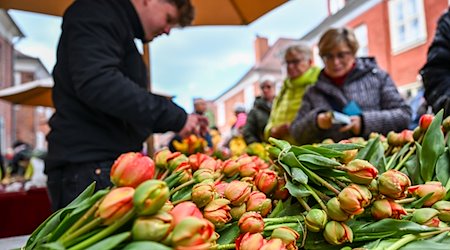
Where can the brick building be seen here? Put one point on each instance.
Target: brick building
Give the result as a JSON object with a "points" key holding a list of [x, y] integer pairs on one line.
{"points": [[396, 32]]}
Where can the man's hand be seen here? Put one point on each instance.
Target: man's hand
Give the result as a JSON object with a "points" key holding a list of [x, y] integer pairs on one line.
{"points": [[195, 124], [280, 131]]}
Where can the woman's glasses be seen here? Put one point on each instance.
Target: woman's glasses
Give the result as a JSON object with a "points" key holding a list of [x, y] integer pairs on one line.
{"points": [[341, 56]]}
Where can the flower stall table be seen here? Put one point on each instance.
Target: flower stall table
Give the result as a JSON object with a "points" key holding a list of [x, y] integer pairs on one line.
{"points": [[22, 212]]}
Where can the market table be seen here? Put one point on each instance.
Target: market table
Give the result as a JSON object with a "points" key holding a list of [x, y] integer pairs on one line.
{"points": [[22, 212]]}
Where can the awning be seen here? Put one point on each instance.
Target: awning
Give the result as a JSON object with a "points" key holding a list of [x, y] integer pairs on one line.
{"points": [[36, 93]]}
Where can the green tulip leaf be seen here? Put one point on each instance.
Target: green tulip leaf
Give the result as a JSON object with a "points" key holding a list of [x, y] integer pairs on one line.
{"points": [[298, 191], [281, 144], [51, 223], [378, 155], [53, 246], [443, 168], [399, 155], [110, 242], [140, 245], [278, 208], [229, 234], [331, 173], [182, 194], [425, 244], [342, 146], [286, 168], [324, 151], [419, 203], [302, 150], [316, 241], [320, 162], [387, 228], [413, 169], [299, 176], [370, 148], [432, 148]]}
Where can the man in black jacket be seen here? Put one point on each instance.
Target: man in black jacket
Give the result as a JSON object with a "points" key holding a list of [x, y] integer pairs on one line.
{"points": [[436, 72], [103, 108]]}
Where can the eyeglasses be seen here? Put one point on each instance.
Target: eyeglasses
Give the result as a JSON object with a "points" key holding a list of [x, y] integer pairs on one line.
{"points": [[293, 62], [341, 56]]}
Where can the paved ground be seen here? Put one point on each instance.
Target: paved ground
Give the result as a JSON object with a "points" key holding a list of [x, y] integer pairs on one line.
{"points": [[13, 242]]}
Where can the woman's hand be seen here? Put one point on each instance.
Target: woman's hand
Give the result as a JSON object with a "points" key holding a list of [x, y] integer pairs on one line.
{"points": [[324, 120], [354, 126], [279, 131]]}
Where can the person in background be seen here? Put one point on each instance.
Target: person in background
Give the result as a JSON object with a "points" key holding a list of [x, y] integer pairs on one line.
{"points": [[102, 106], [436, 71], [200, 108], [354, 86], [259, 115], [300, 75]]}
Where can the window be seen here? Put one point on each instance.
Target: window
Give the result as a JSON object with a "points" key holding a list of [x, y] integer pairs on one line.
{"points": [[407, 24], [363, 40], [336, 5]]}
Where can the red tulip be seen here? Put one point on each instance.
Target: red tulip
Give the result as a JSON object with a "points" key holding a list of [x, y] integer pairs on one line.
{"points": [[218, 212], [434, 187], [196, 159], [193, 233], [274, 244], [266, 181], [250, 241], [361, 171], [425, 121], [131, 169], [237, 192], [251, 222], [258, 202], [387, 208]]}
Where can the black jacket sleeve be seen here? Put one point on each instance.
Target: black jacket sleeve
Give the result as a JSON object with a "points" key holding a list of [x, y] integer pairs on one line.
{"points": [[436, 72]]}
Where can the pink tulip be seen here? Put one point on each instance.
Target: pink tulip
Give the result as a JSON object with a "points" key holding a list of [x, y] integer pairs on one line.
{"points": [[196, 159], [237, 192], [258, 202], [230, 167], [250, 241], [218, 212], [274, 244], [266, 181], [193, 233], [131, 169], [251, 222]]}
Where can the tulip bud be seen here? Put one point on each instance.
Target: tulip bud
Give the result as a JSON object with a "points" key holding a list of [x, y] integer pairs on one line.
{"points": [[258, 202], [393, 184], [203, 193], [444, 210], [131, 169], [183, 210], [266, 181], [175, 159], [446, 124], [354, 198], [274, 244], [250, 241], [150, 197], [203, 174], [337, 233], [425, 121], [192, 232], [417, 132], [167, 207], [154, 228], [434, 187], [218, 212], [209, 163], [361, 172], [251, 222], [116, 204], [349, 155], [237, 212], [221, 187], [394, 139], [281, 192], [335, 211], [406, 136], [196, 159], [184, 172], [426, 216], [316, 219], [237, 192], [160, 158], [387, 208], [288, 235], [230, 168]]}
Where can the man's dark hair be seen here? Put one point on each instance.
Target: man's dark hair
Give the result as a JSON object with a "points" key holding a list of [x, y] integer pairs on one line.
{"points": [[186, 11]]}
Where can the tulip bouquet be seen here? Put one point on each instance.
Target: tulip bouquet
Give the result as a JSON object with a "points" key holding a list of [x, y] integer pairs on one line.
{"points": [[384, 193]]}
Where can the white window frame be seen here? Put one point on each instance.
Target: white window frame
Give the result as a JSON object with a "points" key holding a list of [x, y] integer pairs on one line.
{"points": [[362, 35], [336, 5], [413, 38]]}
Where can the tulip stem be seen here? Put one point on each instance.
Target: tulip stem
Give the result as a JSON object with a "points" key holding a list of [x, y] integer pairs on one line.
{"points": [[224, 246], [339, 183], [105, 232], [320, 180], [304, 204], [81, 220], [393, 157], [155, 175], [284, 219], [273, 227], [403, 241], [322, 195], [407, 200], [179, 187], [164, 175], [317, 198], [66, 241], [400, 164], [187, 198], [410, 210], [219, 179]]}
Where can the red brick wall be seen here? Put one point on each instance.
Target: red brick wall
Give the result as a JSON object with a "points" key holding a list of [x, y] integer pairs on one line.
{"points": [[6, 81]]}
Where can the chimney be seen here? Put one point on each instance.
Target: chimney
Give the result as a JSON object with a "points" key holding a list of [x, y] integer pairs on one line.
{"points": [[261, 47]]}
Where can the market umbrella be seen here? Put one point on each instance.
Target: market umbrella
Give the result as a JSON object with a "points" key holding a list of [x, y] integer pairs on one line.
{"points": [[36, 93], [208, 12]]}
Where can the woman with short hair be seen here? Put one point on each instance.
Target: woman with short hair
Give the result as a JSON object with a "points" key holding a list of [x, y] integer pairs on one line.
{"points": [[356, 87]]}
